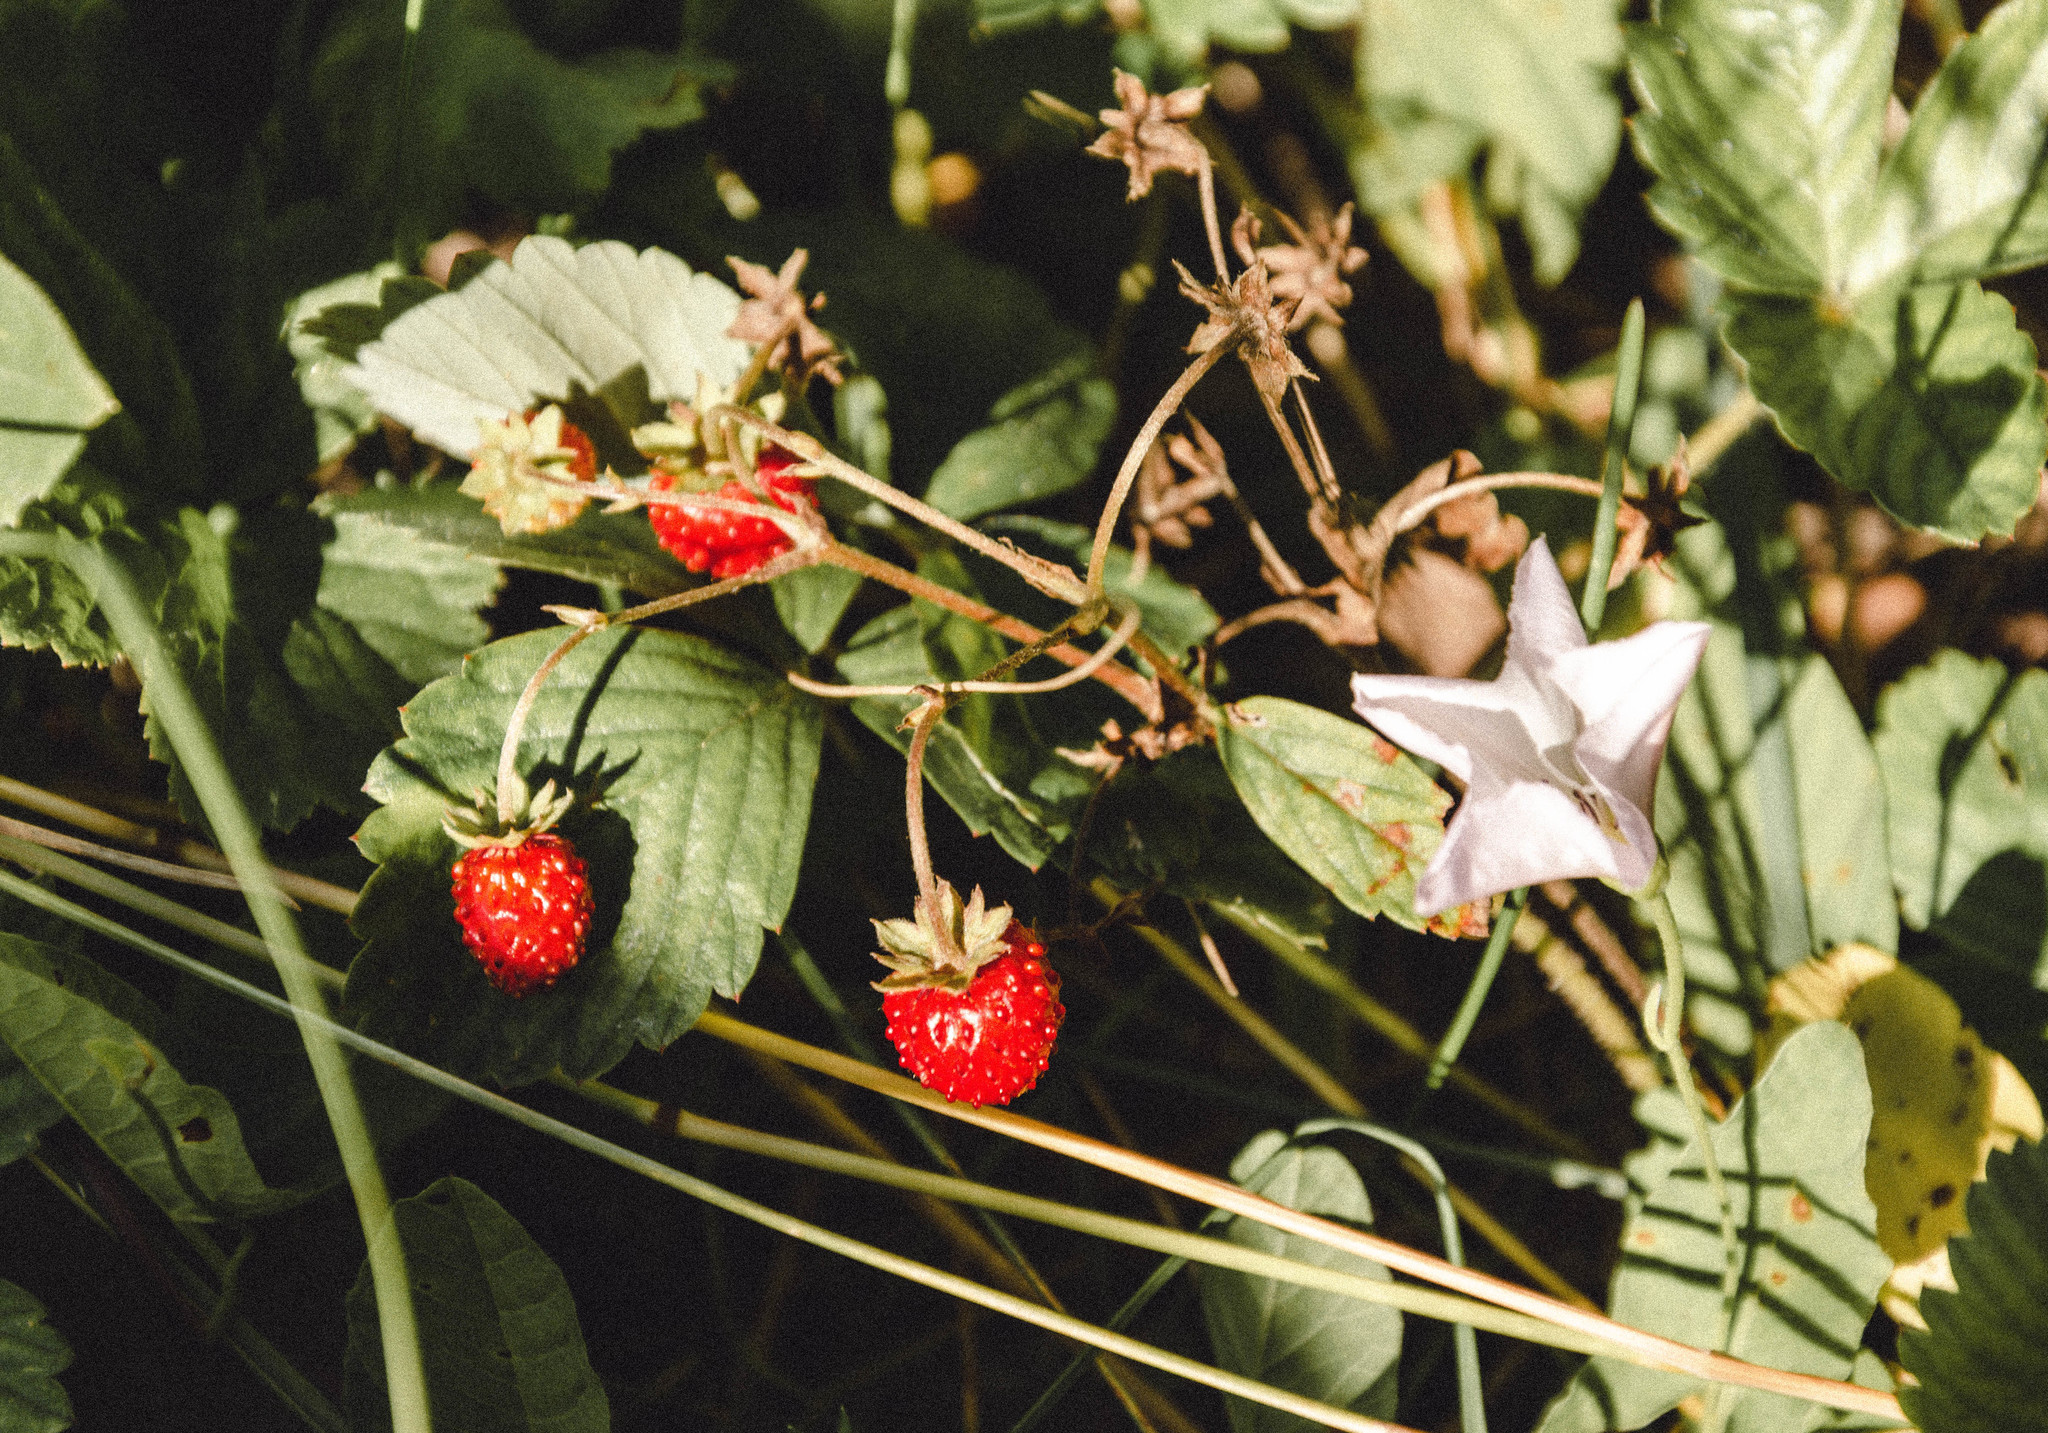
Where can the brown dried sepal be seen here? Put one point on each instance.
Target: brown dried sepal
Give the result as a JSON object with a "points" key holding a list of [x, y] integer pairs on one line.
{"points": [[1149, 133], [1310, 272], [774, 311]]}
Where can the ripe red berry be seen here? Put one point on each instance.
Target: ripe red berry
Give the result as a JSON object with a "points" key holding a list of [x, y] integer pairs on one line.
{"points": [[730, 544], [582, 467], [524, 909], [990, 1043]]}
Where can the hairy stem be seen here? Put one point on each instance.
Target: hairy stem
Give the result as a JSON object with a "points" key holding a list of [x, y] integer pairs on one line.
{"points": [[1168, 404], [1490, 482]]}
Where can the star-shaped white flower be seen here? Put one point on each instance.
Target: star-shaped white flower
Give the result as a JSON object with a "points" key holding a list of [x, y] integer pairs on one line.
{"points": [[1558, 754]]}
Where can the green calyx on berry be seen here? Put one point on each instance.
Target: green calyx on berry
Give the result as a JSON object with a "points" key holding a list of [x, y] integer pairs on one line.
{"points": [[944, 945], [515, 469], [701, 457], [492, 823]]}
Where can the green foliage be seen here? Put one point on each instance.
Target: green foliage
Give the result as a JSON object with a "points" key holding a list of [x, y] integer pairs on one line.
{"points": [[1769, 805], [986, 759], [1322, 1345], [488, 112], [1042, 439], [1186, 29], [498, 1330], [1360, 816], [412, 599], [1981, 1362], [1792, 1152], [811, 600], [32, 1354], [50, 396], [693, 771], [1853, 294], [1963, 746], [26, 1109], [619, 549], [1529, 83], [82, 1034]]}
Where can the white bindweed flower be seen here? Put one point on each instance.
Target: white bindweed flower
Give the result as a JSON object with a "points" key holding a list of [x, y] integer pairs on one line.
{"points": [[1558, 754]]}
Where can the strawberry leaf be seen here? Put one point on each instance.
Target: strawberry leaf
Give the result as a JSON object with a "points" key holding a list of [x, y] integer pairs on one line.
{"points": [[50, 395], [413, 600], [1356, 813], [1042, 438], [498, 1330], [1792, 1151], [693, 771]]}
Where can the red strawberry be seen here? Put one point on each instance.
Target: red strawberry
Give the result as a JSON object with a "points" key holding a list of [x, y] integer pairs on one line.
{"points": [[524, 910], [522, 894], [730, 544], [976, 1022], [583, 466]]}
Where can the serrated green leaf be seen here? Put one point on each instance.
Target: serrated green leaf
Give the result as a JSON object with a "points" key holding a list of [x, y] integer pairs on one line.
{"points": [[1042, 438], [323, 328], [1176, 616], [555, 322], [1357, 814], [1321, 1345], [50, 394], [1963, 746], [620, 549], [122, 1091], [498, 1333], [701, 766], [488, 113], [985, 759], [1966, 194], [1532, 82], [413, 600], [1927, 398], [32, 1354], [1983, 1359], [1764, 123], [1792, 1154]]}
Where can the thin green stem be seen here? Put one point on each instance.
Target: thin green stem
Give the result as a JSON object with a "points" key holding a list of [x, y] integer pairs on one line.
{"points": [[1621, 423], [172, 704], [1453, 1043], [1044, 1404], [1667, 1036]]}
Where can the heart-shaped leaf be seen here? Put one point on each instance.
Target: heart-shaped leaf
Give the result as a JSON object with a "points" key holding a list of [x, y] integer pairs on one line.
{"points": [[498, 1332]]}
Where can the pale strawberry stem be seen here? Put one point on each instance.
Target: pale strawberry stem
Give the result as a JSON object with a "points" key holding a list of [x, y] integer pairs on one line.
{"points": [[512, 793], [1096, 660], [1418, 512], [1205, 181], [1326, 471], [928, 717], [757, 365], [1168, 404], [1049, 578]]}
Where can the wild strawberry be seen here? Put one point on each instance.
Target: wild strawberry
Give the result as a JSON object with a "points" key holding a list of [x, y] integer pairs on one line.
{"points": [[973, 1007], [730, 544], [522, 898]]}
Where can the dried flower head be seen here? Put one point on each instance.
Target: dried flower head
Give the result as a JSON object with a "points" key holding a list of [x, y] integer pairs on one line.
{"points": [[1244, 311], [1150, 133], [772, 305], [1310, 271], [1167, 507], [1650, 524], [513, 472]]}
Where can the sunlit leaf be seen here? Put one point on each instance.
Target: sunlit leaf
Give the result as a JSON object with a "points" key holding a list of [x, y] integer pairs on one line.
{"points": [[412, 598], [1324, 1346], [693, 770], [1358, 814], [50, 395], [1792, 1154], [499, 1339]]}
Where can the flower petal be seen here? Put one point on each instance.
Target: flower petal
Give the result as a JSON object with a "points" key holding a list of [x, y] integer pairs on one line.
{"points": [[1450, 721], [1626, 692], [1513, 833], [1542, 623]]}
